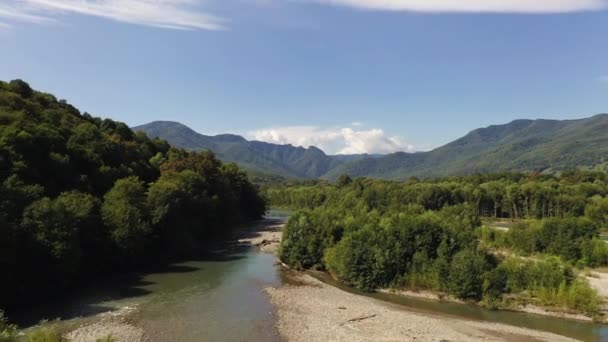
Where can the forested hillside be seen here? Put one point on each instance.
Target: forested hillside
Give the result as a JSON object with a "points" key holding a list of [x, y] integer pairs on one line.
{"points": [[81, 195], [283, 160], [547, 146], [428, 234]]}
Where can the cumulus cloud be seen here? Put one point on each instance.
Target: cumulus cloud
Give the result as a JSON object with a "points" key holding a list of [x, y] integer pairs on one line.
{"points": [[334, 140], [172, 14], [489, 6]]}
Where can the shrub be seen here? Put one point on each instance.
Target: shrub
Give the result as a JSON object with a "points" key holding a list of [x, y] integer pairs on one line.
{"points": [[44, 334], [466, 274], [595, 253], [8, 332]]}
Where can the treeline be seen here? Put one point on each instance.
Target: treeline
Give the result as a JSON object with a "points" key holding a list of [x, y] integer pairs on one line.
{"points": [[377, 234], [574, 239], [503, 195], [80, 195]]}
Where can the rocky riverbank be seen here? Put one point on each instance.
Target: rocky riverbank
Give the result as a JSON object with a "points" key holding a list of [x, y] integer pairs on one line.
{"points": [[314, 311]]}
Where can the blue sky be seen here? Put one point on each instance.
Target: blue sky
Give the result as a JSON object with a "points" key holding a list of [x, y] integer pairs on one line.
{"points": [[349, 76]]}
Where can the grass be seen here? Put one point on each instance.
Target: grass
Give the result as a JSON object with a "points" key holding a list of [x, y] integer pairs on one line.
{"points": [[108, 338]]}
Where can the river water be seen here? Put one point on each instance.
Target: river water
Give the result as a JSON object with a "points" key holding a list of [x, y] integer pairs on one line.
{"points": [[220, 297]]}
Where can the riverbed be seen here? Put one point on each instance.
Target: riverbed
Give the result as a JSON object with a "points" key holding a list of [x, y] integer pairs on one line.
{"points": [[240, 293], [218, 297]]}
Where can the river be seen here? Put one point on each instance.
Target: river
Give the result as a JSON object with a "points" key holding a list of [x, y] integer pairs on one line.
{"points": [[220, 297]]}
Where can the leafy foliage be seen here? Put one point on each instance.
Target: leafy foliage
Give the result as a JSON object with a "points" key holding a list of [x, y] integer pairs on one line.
{"points": [[426, 235], [80, 195], [283, 160], [548, 146]]}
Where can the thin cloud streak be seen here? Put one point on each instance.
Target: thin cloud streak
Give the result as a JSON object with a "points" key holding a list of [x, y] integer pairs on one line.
{"points": [[474, 6], [170, 14]]}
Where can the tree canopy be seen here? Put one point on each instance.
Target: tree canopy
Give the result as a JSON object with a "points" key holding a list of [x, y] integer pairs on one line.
{"points": [[80, 195]]}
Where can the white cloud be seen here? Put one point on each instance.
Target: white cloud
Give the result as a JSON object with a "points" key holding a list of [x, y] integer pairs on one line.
{"points": [[488, 6], [603, 78], [333, 140], [172, 14]]}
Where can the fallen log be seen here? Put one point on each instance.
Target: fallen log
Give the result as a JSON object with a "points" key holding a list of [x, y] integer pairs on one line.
{"points": [[358, 319]]}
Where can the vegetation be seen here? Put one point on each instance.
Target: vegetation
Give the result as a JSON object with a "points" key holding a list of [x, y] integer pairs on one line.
{"points": [[547, 146], [499, 195], [8, 332], [426, 235], [80, 195], [44, 334], [108, 338], [260, 157]]}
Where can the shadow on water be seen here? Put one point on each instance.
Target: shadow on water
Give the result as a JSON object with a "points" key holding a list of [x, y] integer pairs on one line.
{"points": [[217, 295], [101, 295]]}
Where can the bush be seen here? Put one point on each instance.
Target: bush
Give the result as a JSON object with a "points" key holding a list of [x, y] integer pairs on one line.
{"points": [[595, 253], [466, 275], [300, 244], [44, 334], [524, 238], [108, 338], [8, 332], [355, 261]]}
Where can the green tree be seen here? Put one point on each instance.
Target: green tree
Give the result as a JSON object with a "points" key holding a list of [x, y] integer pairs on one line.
{"points": [[466, 275], [597, 210], [125, 213]]}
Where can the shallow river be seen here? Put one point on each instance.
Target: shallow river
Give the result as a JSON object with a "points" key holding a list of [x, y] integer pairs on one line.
{"points": [[220, 298]]}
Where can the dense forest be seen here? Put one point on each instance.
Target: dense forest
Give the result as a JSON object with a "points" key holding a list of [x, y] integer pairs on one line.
{"points": [[80, 196], [428, 234]]}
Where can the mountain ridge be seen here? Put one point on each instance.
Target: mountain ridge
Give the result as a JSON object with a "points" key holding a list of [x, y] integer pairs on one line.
{"points": [[284, 160], [523, 145]]}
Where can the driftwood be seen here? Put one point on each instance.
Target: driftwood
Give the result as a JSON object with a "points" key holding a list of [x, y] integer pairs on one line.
{"points": [[358, 319]]}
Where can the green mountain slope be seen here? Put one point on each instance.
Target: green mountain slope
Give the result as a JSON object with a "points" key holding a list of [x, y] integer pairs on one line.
{"points": [[285, 160], [522, 145]]}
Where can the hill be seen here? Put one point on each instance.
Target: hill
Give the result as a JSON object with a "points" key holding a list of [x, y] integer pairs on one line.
{"points": [[284, 160], [80, 196], [547, 146]]}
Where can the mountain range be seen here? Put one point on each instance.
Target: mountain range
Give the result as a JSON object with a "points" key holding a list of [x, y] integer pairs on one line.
{"points": [[542, 145]]}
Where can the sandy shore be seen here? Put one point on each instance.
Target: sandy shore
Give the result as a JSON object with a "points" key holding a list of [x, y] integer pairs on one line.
{"points": [[266, 235], [315, 311], [114, 324]]}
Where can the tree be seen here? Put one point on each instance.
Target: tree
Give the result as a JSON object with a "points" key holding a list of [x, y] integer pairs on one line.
{"points": [[597, 210], [466, 275], [125, 213], [344, 180], [54, 228]]}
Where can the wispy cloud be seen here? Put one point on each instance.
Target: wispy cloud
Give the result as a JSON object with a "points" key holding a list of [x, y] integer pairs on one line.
{"points": [[171, 14], [488, 6], [603, 78], [338, 140]]}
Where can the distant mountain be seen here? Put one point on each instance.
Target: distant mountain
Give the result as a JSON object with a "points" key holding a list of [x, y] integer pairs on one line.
{"points": [[522, 145], [284, 160]]}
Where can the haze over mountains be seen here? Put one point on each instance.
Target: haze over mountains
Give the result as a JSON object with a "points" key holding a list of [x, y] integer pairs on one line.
{"points": [[521, 145]]}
